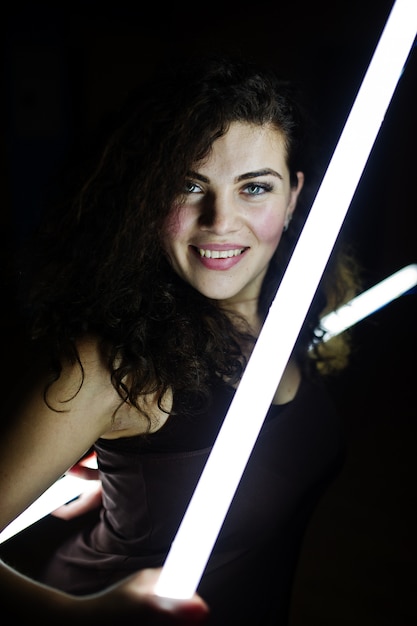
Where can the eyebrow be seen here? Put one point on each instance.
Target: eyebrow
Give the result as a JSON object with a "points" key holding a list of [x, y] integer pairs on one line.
{"points": [[267, 171], [264, 172]]}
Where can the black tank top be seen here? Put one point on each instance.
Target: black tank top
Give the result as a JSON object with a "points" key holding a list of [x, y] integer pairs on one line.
{"points": [[148, 482]]}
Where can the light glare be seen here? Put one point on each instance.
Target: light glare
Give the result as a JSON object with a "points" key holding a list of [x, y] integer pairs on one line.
{"points": [[369, 301]]}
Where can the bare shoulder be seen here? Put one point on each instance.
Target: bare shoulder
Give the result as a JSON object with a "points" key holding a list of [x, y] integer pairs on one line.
{"points": [[127, 420], [84, 380]]}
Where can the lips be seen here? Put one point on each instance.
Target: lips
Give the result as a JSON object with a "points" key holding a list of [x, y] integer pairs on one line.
{"points": [[220, 257]]}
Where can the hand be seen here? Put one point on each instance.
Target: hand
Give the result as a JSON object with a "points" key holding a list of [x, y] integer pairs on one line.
{"points": [[86, 501], [135, 598]]}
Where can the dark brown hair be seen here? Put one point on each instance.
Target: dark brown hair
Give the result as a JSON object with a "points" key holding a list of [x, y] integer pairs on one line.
{"points": [[99, 268]]}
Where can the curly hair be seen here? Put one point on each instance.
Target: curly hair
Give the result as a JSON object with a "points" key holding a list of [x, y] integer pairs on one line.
{"points": [[98, 266]]}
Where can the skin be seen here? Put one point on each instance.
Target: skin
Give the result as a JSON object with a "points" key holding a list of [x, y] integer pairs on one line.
{"points": [[238, 199]]}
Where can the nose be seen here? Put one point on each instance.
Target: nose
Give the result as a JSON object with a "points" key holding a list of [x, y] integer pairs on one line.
{"points": [[220, 214]]}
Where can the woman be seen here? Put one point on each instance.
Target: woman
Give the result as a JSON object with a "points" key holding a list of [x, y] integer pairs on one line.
{"points": [[148, 295]]}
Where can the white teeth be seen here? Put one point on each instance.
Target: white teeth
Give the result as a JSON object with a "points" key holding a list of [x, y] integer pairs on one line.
{"points": [[220, 254]]}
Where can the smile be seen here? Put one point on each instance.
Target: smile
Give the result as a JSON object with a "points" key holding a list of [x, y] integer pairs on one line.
{"points": [[220, 254]]}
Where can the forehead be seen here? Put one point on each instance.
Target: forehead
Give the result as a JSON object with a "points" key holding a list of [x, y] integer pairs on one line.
{"points": [[247, 146]]}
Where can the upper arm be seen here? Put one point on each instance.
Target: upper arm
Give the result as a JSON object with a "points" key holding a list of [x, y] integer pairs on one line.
{"points": [[44, 439]]}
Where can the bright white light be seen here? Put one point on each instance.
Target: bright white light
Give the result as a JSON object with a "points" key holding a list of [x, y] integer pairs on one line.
{"points": [[210, 502], [62, 491], [369, 301]]}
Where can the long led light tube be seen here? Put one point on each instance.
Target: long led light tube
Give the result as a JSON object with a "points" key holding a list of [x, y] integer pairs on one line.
{"points": [[369, 301], [65, 489], [198, 531], [69, 487], [62, 491]]}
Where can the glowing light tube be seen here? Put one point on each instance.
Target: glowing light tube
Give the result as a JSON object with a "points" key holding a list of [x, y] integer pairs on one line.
{"points": [[62, 491], [219, 480], [369, 301]]}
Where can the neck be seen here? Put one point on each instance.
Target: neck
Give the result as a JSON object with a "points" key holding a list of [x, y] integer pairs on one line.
{"points": [[246, 310]]}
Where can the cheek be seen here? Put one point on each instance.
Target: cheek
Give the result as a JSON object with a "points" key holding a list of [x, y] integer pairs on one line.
{"points": [[171, 228], [176, 225], [269, 229], [171, 234]]}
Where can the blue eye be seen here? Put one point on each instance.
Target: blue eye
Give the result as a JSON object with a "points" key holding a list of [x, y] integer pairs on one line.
{"points": [[191, 187], [256, 189]]}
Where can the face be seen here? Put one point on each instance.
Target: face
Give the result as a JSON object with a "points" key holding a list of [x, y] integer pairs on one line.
{"points": [[221, 237]]}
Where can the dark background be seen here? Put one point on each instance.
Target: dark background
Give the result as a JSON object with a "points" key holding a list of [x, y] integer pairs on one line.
{"points": [[67, 65]]}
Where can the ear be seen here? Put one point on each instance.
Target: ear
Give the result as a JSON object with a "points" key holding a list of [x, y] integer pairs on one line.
{"points": [[294, 193]]}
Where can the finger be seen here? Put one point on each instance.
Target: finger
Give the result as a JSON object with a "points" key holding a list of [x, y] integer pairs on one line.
{"points": [[82, 471], [144, 583]]}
